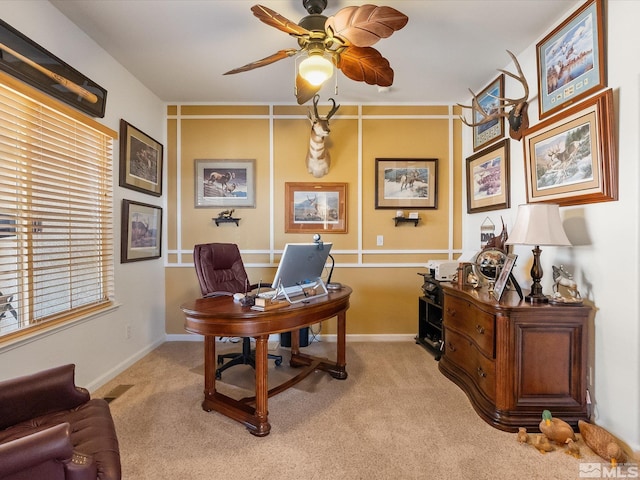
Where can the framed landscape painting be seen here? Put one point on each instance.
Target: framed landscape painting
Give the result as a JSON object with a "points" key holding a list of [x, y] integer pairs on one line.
{"points": [[225, 183], [488, 179], [488, 100], [406, 183], [315, 207], [570, 159], [571, 59]]}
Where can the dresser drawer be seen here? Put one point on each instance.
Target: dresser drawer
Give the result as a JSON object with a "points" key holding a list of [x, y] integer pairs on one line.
{"points": [[466, 319], [463, 353]]}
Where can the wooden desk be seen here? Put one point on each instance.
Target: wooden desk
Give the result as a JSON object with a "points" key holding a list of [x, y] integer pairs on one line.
{"points": [[222, 317]]}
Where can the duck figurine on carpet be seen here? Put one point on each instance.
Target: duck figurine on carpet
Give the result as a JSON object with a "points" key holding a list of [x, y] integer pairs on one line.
{"points": [[602, 442], [556, 430]]}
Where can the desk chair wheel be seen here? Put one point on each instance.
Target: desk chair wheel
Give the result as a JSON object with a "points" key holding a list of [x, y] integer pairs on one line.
{"points": [[278, 362]]}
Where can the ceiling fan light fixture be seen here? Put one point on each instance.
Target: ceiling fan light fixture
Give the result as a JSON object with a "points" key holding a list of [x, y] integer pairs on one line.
{"points": [[316, 69]]}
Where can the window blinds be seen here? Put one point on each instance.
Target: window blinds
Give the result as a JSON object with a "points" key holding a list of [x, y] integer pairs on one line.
{"points": [[56, 220]]}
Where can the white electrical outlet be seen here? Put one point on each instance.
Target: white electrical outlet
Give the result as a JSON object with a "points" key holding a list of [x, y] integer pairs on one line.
{"points": [[379, 240]]}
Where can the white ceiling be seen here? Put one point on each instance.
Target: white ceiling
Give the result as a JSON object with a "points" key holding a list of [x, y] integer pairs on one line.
{"points": [[180, 48]]}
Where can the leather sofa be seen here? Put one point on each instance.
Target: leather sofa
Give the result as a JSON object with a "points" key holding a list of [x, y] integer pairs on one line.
{"points": [[51, 429]]}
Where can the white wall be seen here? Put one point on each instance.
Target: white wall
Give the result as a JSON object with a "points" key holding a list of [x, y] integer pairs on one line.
{"points": [[604, 258], [98, 346]]}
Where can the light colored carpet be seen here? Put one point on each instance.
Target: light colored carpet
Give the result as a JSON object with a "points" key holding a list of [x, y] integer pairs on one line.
{"points": [[395, 417]]}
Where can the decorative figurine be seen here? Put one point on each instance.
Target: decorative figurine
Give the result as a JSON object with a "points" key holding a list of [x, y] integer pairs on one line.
{"points": [[555, 429]]}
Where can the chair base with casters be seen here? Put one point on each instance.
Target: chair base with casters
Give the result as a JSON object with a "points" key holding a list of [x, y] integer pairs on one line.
{"points": [[247, 357]]}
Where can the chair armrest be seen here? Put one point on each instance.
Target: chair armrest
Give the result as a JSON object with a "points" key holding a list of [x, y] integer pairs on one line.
{"points": [[52, 444], [32, 396]]}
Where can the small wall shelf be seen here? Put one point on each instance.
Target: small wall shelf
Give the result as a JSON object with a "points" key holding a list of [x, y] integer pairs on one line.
{"points": [[405, 219], [220, 220]]}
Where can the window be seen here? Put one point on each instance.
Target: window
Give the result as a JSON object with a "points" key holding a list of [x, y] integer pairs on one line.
{"points": [[56, 212]]}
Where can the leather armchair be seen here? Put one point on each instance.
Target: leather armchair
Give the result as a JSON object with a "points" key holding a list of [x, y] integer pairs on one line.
{"points": [[51, 429]]}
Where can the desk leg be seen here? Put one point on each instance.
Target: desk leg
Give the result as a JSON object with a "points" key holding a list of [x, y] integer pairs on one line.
{"points": [[209, 372], [261, 426], [341, 372], [295, 343]]}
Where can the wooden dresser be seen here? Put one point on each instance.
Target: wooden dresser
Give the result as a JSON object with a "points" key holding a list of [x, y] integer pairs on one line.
{"points": [[514, 359]]}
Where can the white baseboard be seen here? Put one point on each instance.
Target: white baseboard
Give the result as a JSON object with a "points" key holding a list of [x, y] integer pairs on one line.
{"points": [[122, 366]]}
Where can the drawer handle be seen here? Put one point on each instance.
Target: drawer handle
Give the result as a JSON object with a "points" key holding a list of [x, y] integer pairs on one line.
{"points": [[481, 372], [480, 329], [451, 347]]}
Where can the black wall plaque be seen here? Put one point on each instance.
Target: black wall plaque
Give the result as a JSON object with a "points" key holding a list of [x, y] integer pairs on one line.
{"points": [[29, 62]]}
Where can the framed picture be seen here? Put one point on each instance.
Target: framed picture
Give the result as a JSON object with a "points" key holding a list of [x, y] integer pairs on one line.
{"points": [[503, 278], [315, 207], [488, 132], [570, 159], [225, 183], [141, 232], [406, 183], [488, 179], [571, 59], [140, 161]]}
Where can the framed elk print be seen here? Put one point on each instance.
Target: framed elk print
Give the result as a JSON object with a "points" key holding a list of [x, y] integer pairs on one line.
{"points": [[140, 161], [315, 207], [406, 183], [488, 100], [225, 183], [488, 179], [141, 231], [571, 59], [570, 159]]}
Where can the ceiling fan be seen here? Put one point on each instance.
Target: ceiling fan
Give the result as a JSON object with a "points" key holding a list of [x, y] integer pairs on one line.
{"points": [[343, 40]]}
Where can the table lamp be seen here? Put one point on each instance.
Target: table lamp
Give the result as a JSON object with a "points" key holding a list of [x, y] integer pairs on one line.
{"points": [[538, 224]]}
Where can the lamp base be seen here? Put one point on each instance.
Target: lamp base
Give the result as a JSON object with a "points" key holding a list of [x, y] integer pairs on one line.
{"points": [[533, 298]]}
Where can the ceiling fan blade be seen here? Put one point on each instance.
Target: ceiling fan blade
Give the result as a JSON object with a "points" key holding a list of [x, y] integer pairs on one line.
{"points": [[279, 55], [363, 26], [304, 90], [366, 64], [274, 19]]}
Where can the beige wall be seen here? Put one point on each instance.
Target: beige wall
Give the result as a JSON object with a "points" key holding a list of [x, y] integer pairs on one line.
{"points": [[384, 278]]}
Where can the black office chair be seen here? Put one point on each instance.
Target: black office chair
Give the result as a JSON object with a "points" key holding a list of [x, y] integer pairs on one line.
{"points": [[220, 270]]}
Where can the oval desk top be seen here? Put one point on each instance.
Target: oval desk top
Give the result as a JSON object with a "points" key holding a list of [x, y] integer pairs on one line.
{"points": [[221, 316]]}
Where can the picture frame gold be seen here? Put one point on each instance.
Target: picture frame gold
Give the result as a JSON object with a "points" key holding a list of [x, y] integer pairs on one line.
{"points": [[141, 160], [488, 179], [571, 59], [570, 159], [315, 207], [141, 230], [406, 183]]}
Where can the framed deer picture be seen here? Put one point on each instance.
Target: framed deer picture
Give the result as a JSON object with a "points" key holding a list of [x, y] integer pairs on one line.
{"points": [[141, 231], [315, 207], [406, 183], [570, 158]]}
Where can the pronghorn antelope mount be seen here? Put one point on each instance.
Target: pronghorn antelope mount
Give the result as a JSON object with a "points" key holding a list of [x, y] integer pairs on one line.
{"points": [[318, 159], [517, 116]]}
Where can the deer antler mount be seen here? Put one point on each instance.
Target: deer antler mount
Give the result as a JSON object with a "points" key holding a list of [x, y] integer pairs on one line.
{"points": [[517, 116]]}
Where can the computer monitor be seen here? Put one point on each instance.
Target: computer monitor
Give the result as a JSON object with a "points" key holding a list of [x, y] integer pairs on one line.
{"points": [[301, 263]]}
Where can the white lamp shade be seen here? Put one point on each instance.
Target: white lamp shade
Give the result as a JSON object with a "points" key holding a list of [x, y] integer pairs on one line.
{"points": [[538, 224], [315, 69]]}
